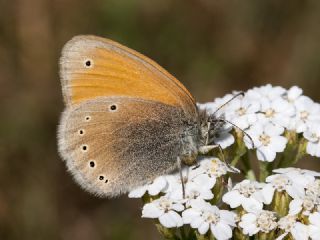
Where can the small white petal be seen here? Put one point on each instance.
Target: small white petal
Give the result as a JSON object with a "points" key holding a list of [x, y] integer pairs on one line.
{"points": [[267, 192], [189, 215], [151, 211], [252, 205], [157, 186], [300, 231], [178, 207], [221, 231], [138, 192], [295, 206], [314, 219], [232, 198], [203, 228], [266, 154], [171, 219], [228, 217]]}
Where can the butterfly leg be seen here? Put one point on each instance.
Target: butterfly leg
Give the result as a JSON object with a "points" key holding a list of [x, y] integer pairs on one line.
{"points": [[179, 163], [197, 165]]}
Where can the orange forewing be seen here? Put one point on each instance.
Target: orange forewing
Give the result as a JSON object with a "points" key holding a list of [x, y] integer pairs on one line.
{"points": [[116, 70]]}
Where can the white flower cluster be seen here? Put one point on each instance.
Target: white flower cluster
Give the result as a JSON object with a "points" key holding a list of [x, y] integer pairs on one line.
{"points": [[293, 187], [284, 205], [172, 210], [265, 113], [250, 203]]}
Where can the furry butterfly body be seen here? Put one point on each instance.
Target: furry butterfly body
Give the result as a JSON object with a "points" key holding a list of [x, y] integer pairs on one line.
{"points": [[126, 119]]}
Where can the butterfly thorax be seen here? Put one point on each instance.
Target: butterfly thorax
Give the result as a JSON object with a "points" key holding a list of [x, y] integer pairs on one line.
{"points": [[198, 135]]}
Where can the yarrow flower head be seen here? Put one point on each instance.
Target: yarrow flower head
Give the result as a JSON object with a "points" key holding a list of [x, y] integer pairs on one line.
{"points": [[260, 221], [290, 225], [248, 194], [204, 216], [165, 210], [275, 128], [267, 140]]}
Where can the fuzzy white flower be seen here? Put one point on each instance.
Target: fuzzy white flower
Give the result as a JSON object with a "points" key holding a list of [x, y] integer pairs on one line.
{"points": [[204, 216], [293, 183], [242, 112], [267, 140], [293, 94], [213, 167], [260, 221], [290, 225], [307, 112], [277, 111], [314, 226], [313, 188], [153, 189], [248, 194], [165, 210], [268, 91], [307, 174], [196, 186], [306, 205], [313, 137]]}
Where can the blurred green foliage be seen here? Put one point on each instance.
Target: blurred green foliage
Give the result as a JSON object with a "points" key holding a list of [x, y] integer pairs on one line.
{"points": [[212, 46]]}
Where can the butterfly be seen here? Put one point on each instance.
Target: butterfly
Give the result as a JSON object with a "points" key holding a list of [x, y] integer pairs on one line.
{"points": [[126, 119]]}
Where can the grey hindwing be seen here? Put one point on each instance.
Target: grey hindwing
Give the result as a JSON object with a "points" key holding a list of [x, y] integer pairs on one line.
{"points": [[130, 145]]}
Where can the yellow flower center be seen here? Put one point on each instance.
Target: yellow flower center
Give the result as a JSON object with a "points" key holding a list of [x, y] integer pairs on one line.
{"points": [[270, 113], [241, 111], [304, 115], [264, 139]]}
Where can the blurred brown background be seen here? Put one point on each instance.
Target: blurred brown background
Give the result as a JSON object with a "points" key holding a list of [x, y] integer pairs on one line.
{"points": [[212, 46]]}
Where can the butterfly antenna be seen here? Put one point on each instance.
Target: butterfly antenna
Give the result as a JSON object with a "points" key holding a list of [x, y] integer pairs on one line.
{"points": [[231, 123], [227, 102], [231, 168]]}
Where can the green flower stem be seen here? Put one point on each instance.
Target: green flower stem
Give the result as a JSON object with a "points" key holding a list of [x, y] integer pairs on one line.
{"points": [[265, 236], [201, 237], [302, 150], [265, 170], [167, 233], [218, 191], [291, 149], [237, 234], [239, 149], [247, 168], [280, 203], [183, 233], [251, 175]]}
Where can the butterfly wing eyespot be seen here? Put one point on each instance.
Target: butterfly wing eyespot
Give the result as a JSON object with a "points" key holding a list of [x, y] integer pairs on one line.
{"points": [[113, 107], [115, 70], [84, 148], [113, 143], [88, 63], [92, 164]]}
